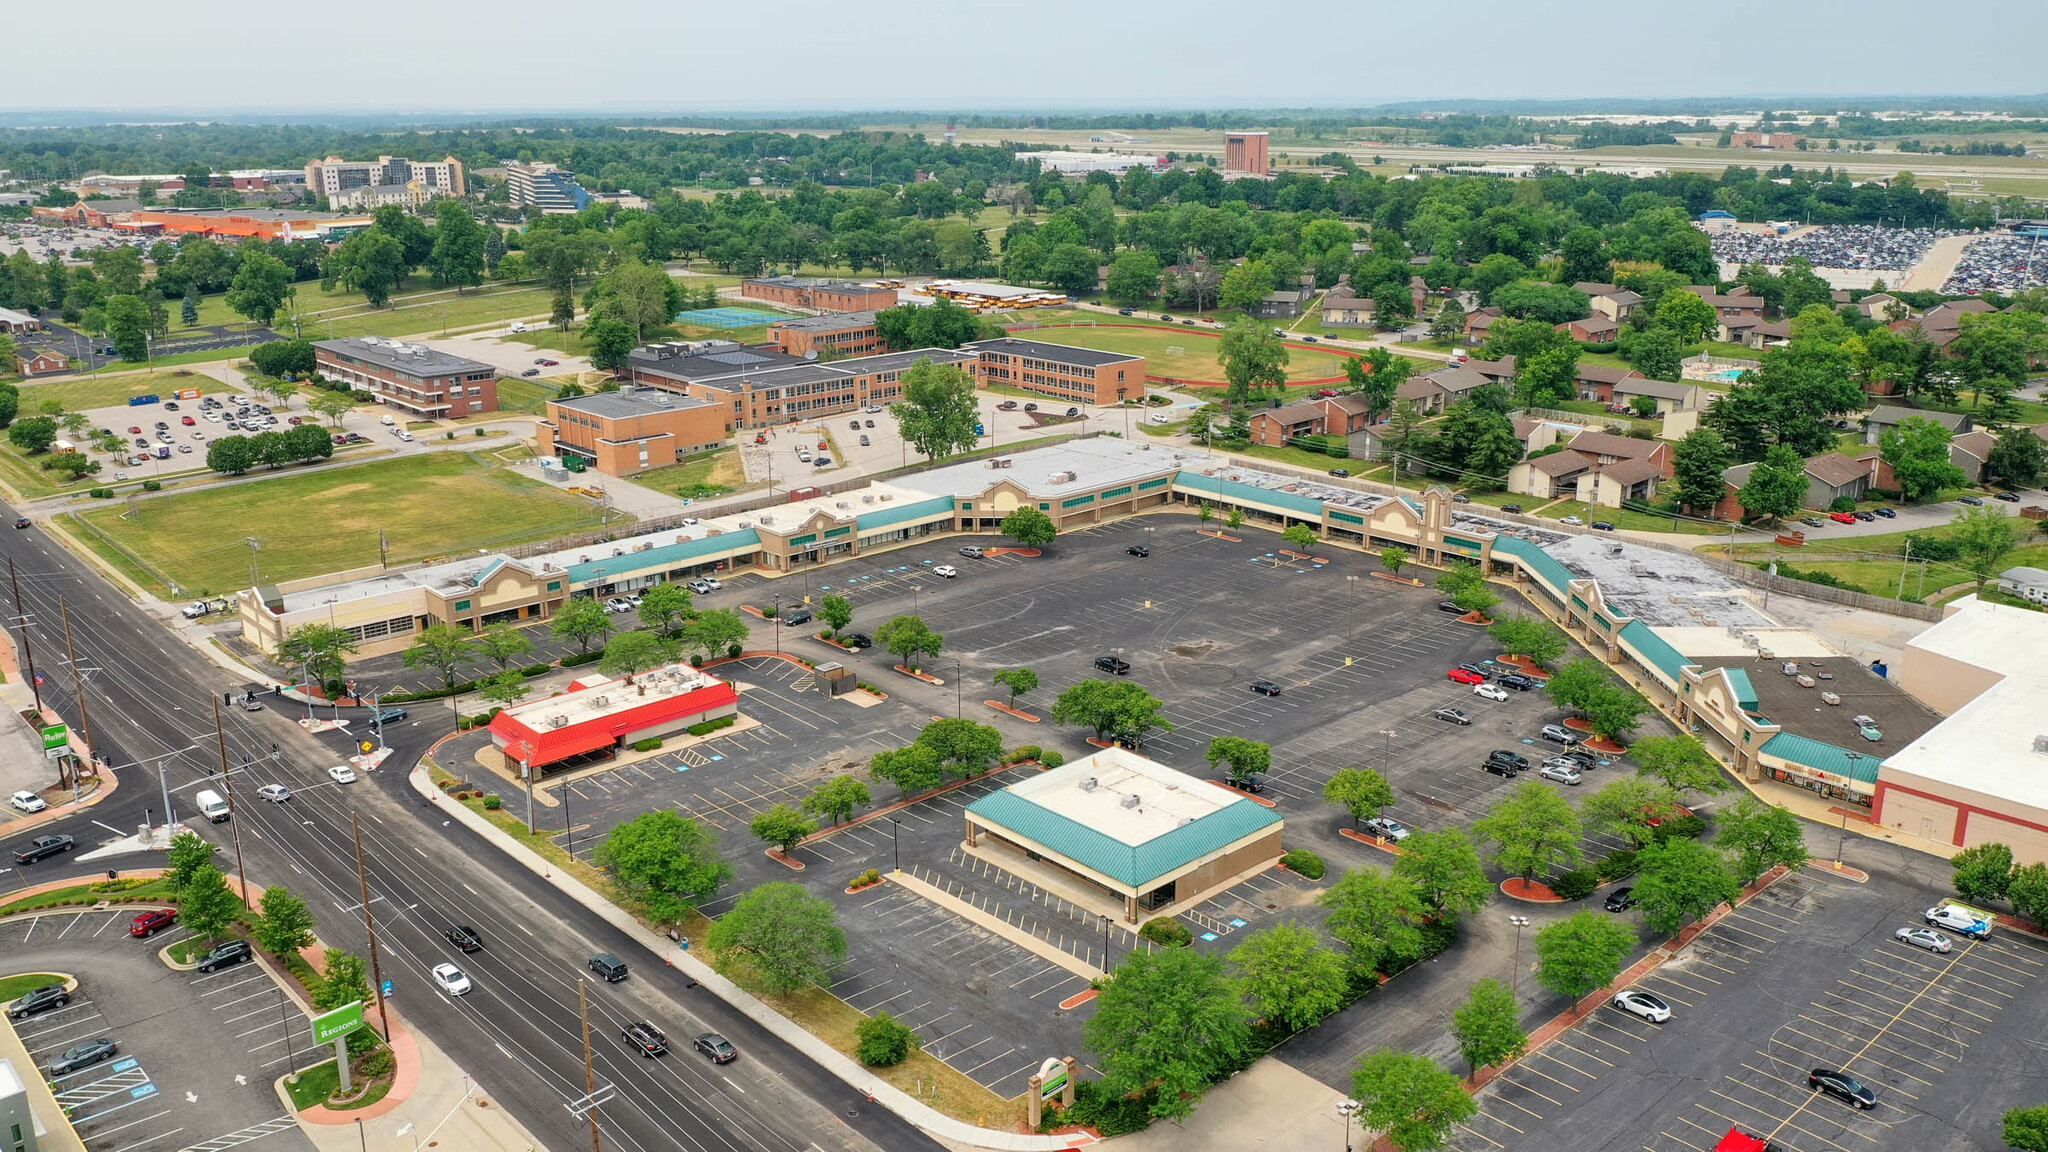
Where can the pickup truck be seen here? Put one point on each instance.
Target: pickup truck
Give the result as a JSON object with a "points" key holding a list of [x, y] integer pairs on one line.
{"points": [[42, 846]]}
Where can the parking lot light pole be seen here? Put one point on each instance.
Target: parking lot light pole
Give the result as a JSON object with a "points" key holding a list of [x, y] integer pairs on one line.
{"points": [[959, 692], [1515, 977], [895, 848], [1105, 945], [778, 622], [1346, 1108], [1386, 749], [1350, 616]]}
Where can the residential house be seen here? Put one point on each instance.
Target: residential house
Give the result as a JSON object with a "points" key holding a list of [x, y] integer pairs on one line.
{"points": [[1597, 381], [2026, 583], [1275, 427], [1369, 443], [1878, 305], [1942, 323], [1343, 415], [1598, 328], [1829, 477], [1478, 322], [1616, 304], [1282, 304], [1435, 391], [15, 323], [1887, 415], [1736, 313], [1770, 335], [1671, 395], [1971, 452], [40, 362], [1343, 309], [1597, 467], [1536, 435], [1501, 371]]}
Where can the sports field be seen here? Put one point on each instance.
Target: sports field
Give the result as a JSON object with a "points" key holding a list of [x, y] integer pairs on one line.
{"points": [[1196, 361], [432, 504]]}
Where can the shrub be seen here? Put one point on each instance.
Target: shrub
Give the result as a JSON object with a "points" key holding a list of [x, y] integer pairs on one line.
{"points": [[1616, 865], [769, 611], [1939, 549], [1843, 504], [152, 486], [480, 432], [532, 670], [1167, 932], [706, 727], [696, 659], [647, 745], [101, 493], [827, 634], [733, 649], [450, 435], [582, 658], [871, 876], [1023, 752], [1053, 758], [1302, 862], [883, 1041], [492, 802], [1576, 884], [374, 1064], [1684, 827], [1101, 1109]]}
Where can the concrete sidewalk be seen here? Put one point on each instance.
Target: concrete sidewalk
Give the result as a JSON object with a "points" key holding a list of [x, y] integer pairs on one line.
{"points": [[443, 1107]]}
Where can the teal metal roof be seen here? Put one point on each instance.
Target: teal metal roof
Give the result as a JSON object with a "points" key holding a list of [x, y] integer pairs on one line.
{"points": [[1545, 567], [1810, 753], [1246, 493], [665, 557], [1745, 692], [1655, 651], [1128, 864], [897, 514]]}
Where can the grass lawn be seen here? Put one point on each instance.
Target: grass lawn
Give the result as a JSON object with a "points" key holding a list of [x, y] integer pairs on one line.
{"points": [[92, 893], [1197, 361], [1629, 518], [520, 395], [15, 987], [435, 504], [2030, 411], [321, 1081], [111, 389], [700, 477], [420, 311], [1996, 597], [1300, 458], [27, 476], [1873, 563]]}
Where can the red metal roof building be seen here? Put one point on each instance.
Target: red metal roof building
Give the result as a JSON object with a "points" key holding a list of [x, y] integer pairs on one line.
{"points": [[600, 712]]}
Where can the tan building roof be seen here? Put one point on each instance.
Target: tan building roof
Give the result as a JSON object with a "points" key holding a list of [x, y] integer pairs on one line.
{"points": [[1605, 373], [1835, 469], [1631, 471], [1608, 444], [1560, 464]]}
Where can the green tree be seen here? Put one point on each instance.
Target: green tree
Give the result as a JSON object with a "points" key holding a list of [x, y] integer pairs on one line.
{"points": [[1614, 709], [1393, 559], [1983, 872], [1917, 450], [285, 925], [1376, 916], [371, 262], [909, 639], [442, 647], [1548, 377], [1112, 708], [963, 747], [1291, 978], [1029, 527], [188, 853], [664, 607], [457, 258], [837, 798], [630, 653], [1301, 536], [664, 861], [504, 688], [2026, 1128], [233, 455], [208, 907], [913, 769], [345, 979], [1629, 807], [1575, 685], [1680, 881], [1984, 536], [938, 413], [1681, 763], [1242, 759], [1133, 276], [321, 649], [1253, 359], [1697, 463], [714, 631], [2019, 458], [1359, 791], [610, 341], [1409, 1099], [1776, 488], [1244, 285], [127, 326], [1467, 588], [501, 644], [1020, 682], [785, 937], [262, 284], [2028, 891], [1533, 831], [1170, 1021], [1582, 952], [1687, 317], [882, 1042], [782, 827], [1762, 837], [188, 309], [1446, 871], [33, 434], [332, 406], [1656, 354], [837, 611], [1488, 1026], [1530, 636], [582, 619]]}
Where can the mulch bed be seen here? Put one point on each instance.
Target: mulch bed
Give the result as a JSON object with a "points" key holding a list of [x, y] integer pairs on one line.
{"points": [[1410, 581], [1523, 664], [916, 675], [1370, 841], [1219, 535], [1019, 713], [1012, 552], [1535, 892], [777, 855]]}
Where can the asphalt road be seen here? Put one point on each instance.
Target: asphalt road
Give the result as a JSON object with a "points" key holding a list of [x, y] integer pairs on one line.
{"points": [[150, 703]]}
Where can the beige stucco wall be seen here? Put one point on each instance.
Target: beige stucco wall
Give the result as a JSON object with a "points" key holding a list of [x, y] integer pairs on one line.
{"points": [[1941, 683]]}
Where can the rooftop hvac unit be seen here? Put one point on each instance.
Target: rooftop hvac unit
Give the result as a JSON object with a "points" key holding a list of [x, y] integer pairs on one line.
{"points": [[618, 551], [600, 701], [885, 497], [746, 523], [1060, 478], [1129, 801], [841, 504], [642, 547], [1089, 784], [2041, 745], [868, 499], [557, 721]]}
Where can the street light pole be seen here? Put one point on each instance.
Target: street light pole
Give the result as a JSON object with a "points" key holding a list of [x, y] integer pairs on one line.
{"points": [[1515, 977], [959, 692], [895, 848], [1345, 1108]]}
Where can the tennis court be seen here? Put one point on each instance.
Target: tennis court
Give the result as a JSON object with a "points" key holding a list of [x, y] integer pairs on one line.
{"points": [[729, 317]]}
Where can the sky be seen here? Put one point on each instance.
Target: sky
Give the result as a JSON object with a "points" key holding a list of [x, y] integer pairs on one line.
{"points": [[827, 55]]}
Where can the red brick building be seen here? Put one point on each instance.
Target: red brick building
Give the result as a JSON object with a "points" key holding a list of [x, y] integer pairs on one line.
{"points": [[755, 386], [1246, 153], [845, 333], [821, 295], [412, 377], [1075, 375], [631, 430]]}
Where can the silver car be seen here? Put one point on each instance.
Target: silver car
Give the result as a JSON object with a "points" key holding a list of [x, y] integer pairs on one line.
{"points": [[275, 793], [1926, 938], [1562, 773]]}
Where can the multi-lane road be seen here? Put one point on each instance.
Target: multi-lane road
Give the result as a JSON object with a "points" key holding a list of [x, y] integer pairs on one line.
{"points": [[150, 700]]}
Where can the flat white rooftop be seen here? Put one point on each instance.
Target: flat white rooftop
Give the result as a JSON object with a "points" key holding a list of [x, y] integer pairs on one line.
{"points": [[1987, 746], [1719, 644], [1165, 798], [1095, 463], [602, 697]]}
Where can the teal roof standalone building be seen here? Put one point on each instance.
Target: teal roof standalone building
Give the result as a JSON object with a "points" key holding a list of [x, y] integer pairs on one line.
{"points": [[1120, 825]]}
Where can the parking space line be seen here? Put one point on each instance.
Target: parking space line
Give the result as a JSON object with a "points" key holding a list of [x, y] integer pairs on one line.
{"points": [[1510, 1103], [1561, 1042], [1529, 1066], [1482, 1136]]}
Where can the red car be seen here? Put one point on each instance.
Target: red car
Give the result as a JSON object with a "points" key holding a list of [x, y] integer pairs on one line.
{"points": [[187, 421], [135, 429], [153, 921], [1465, 676], [1841, 518]]}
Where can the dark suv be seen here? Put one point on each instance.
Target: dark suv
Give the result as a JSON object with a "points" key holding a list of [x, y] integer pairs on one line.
{"points": [[464, 938], [608, 966], [797, 616], [1504, 763], [1113, 665], [232, 952], [645, 1037], [40, 1000], [1515, 680]]}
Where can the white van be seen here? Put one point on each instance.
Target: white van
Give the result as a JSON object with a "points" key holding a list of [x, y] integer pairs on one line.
{"points": [[387, 419], [519, 325], [1158, 418], [211, 805]]}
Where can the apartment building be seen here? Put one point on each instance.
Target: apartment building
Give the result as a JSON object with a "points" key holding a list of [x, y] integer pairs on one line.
{"points": [[364, 184], [1075, 375], [412, 377], [545, 187]]}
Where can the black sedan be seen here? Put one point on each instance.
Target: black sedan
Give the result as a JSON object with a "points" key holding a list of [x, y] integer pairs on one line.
{"points": [[84, 1056], [856, 640], [41, 847], [1265, 687], [1842, 1086], [646, 1038], [717, 1047], [1621, 899], [1137, 550], [464, 938], [40, 1000]]}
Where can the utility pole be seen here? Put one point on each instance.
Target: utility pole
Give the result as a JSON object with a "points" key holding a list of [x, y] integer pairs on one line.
{"points": [[35, 684], [1903, 565], [77, 685], [355, 826], [589, 1072], [383, 550], [255, 547], [227, 781]]}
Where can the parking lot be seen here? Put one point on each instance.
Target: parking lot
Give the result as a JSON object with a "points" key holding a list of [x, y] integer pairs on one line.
{"points": [[1808, 975], [197, 1053]]}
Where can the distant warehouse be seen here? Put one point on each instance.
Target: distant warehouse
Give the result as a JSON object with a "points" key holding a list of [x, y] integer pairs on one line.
{"points": [[820, 295]]}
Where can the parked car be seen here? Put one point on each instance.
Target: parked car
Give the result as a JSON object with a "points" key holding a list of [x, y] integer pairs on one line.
{"points": [[1490, 691], [1637, 1002], [42, 847], [699, 587], [531, 372], [1340, 473], [1973, 501], [1511, 507], [1813, 521], [717, 1047], [1386, 828], [1957, 918], [464, 938], [945, 571], [2008, 497], [1031, 407], [1500, 768], [226, 955], [1564, 773], [27, 802], [84, 1056], [1138, 550], [1559, 734], [1518, 681], [1265, 687], [1460, 498], [1465, 676], [1926, 938], [39, 1000], [1007, 406], [972, 551], [1601, 526], [1571, 520], [1450, 606], [1887, 513], [645, 1038], [1452, 716], [1866, 517], [1842, 1086], [1113, 665], [609, 967], [797, 616], [1514, 760], [864, 441], [452, 980], [1621, 899], [856, 640]]}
